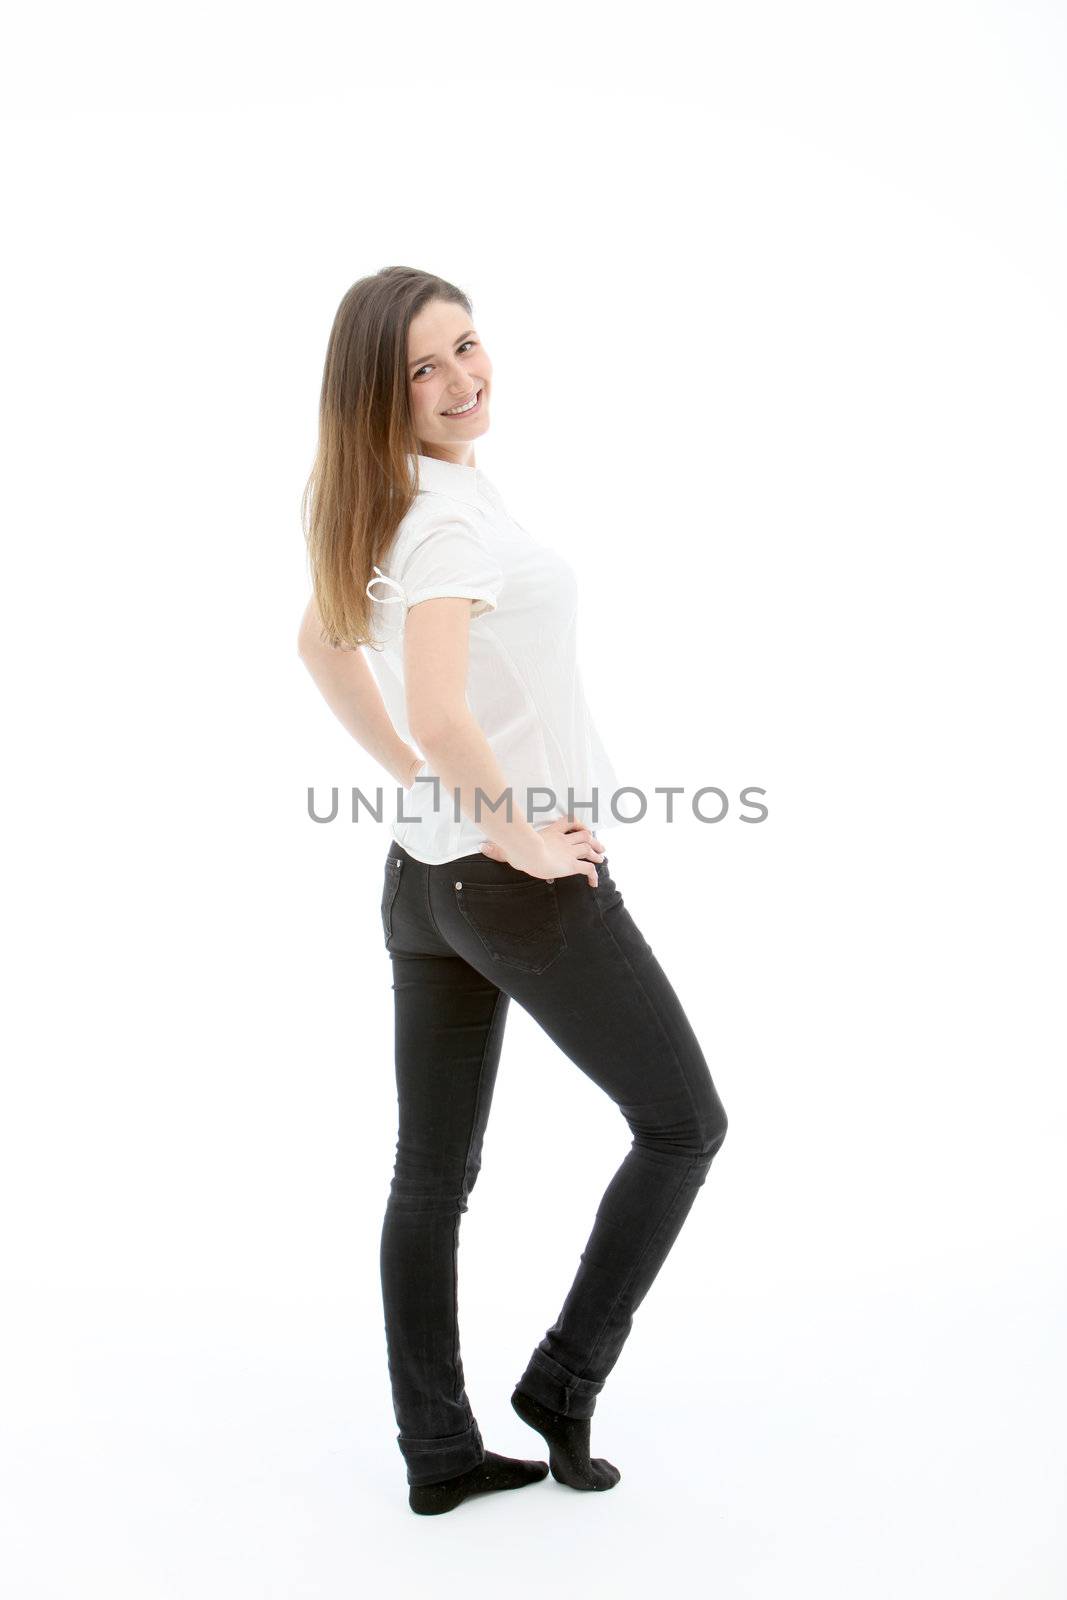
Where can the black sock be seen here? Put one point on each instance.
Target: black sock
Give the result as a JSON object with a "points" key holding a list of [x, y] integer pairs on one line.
{"points": [[495, 1472], [568, 1445]]}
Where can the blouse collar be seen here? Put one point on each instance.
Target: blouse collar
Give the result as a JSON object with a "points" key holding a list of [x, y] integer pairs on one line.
{"points": [[448, 477]]}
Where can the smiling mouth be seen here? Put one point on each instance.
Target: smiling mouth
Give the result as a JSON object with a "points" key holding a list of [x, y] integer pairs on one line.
{"points": [[467, 409]]}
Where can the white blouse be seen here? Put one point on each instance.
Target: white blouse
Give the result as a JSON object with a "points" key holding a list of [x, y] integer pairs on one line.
{"points": [[524, 686]]}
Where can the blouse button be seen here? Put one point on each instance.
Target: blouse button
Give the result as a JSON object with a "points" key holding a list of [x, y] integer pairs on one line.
{"points": [[550, 880], [459, 885]]}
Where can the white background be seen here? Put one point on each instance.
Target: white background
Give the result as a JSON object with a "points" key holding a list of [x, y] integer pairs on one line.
{"points": [[775, 301]]}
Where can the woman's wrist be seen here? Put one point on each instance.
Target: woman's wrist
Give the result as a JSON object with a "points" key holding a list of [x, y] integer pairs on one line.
{"points": [[528, 854], [411, 770]]}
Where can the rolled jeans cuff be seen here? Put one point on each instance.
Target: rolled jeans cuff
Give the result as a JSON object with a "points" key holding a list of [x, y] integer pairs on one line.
{"points": [[434, 1460], [545, 1380]]}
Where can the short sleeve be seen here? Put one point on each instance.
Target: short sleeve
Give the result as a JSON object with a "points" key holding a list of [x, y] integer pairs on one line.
{"points": [[449, 557]]}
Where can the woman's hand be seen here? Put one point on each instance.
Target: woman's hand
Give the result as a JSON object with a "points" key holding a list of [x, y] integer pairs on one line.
{"points": [[564, 847]]}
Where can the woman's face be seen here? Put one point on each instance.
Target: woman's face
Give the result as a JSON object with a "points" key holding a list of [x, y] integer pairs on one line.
{"points": [[447, 366]]}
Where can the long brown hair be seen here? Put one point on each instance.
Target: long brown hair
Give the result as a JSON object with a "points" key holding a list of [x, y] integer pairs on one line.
{"points": [[361, 486]]}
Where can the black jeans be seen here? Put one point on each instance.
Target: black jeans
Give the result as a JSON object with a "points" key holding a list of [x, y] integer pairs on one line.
{"points": [[465, 938]]}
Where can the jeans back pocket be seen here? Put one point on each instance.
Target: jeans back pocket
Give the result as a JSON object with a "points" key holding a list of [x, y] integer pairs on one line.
{"points": [[608, 896], [518, 923], [393, 867]]}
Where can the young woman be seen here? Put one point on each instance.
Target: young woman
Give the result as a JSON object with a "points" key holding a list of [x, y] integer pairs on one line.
{"points": [[443, 635]]}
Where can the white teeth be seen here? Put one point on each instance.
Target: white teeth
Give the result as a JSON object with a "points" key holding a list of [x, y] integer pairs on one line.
{"points": [[458, 411]]}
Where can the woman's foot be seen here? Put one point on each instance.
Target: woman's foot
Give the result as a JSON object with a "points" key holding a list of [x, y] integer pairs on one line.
{"points": [[495, 1472], [568, 1445]]}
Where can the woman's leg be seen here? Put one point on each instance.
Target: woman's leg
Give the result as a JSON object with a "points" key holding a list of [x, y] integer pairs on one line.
{"points": [[575, 959], [449, 1025]]}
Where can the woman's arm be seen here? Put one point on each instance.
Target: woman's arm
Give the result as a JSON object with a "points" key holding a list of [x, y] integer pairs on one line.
{"points": [[351, 691], [436, 650]]}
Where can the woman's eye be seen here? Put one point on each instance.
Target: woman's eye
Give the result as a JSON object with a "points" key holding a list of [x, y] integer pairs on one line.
{"points": [[463, 346]]}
